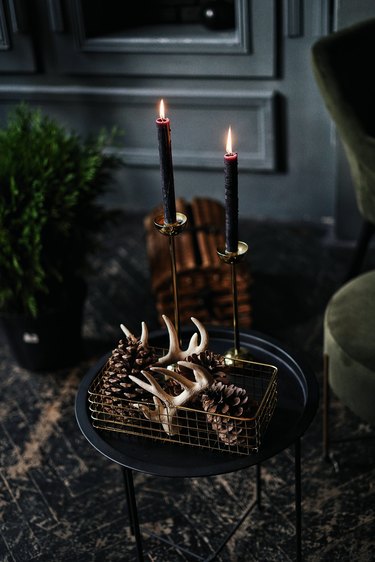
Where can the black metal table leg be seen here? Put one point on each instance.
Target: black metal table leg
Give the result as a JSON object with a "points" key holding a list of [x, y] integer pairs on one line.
{"points": [[297, 460], [258, 485], [131, 522], [133, 513], [325, 407]]}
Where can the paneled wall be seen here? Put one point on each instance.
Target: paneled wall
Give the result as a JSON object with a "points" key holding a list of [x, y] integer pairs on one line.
{"points": [[88, 63]]}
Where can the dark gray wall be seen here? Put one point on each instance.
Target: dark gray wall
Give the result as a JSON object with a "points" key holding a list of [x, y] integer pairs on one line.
{"points": [[256, 77]]}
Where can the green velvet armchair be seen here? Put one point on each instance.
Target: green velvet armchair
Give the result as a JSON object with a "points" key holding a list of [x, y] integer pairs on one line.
{"points": [[344, 69], [343, 66]]}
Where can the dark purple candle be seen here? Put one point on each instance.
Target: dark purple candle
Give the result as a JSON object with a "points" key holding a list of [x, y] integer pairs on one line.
{"points": [[166, 166], [231, 196]]}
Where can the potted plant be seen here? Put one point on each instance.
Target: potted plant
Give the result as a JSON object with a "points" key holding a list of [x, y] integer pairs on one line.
{"points": [[50, 183]]}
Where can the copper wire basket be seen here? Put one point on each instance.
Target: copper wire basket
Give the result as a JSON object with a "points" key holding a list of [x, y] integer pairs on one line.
{"points": [[193, 426]]}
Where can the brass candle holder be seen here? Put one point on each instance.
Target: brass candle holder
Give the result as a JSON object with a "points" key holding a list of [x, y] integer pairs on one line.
{"points": [[232, 258], [171, 230]]}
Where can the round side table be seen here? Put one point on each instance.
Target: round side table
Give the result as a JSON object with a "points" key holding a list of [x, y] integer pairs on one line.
{"points": [[297, 403]]}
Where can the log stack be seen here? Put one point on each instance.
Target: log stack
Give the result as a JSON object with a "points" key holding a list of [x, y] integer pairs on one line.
{"points": [[204, 282]]}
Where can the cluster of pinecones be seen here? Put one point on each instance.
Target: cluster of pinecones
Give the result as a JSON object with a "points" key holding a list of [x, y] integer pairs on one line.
{"points": [[222, 401]]}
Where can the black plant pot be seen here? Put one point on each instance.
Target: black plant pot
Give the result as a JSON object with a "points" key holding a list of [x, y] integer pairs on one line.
{"points": [[53, 340]]}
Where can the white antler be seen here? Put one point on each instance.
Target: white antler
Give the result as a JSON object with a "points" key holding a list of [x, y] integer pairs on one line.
{"points": [[166, 405], [144, 334], [175, 353]]}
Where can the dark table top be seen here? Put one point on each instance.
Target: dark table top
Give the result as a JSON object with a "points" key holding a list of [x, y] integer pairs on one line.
{"points": [[298, 398]]}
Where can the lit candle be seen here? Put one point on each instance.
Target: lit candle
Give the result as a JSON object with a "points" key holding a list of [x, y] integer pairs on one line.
{"points": [[231, 196], [166, 166]]}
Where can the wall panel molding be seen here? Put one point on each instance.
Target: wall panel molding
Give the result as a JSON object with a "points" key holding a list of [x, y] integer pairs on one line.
{"points": [[159, 40], [4, 36], [199, 121], [56, 16], [293, 18], [321, 18], [17, 16], [247, 51]]}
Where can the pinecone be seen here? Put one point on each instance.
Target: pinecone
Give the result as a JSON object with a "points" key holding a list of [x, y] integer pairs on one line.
{"points": [[231, 400], [213, 362], [130, 357], [172, 387]]}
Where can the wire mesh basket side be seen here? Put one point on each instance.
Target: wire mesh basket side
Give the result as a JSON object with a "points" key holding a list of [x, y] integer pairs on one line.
{"points": [[193, 426]]}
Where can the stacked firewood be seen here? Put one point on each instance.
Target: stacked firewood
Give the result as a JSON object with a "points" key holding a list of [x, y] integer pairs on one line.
{"points": [[204, 282]]}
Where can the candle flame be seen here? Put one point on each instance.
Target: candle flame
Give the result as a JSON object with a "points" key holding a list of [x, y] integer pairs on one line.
{"points": [[161, 110], [229, 141]]}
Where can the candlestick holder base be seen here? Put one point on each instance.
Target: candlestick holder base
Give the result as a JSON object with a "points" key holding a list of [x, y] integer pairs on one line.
{"points": [[171, 230], [232, 258]]}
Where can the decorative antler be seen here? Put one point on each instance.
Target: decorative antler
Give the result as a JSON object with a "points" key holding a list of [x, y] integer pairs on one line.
{"points": [[175, 353], [144, 334], [166, 405]]}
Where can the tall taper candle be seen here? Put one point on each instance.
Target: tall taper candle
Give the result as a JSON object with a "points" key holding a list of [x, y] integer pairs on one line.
{"points": [[231, 196], [166, 166]]}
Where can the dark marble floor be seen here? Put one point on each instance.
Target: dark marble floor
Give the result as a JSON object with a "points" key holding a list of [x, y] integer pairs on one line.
{"points": [[61, 500]]}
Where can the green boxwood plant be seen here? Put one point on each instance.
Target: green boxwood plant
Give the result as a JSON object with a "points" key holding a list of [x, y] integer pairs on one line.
{"points": [[50, 182]]}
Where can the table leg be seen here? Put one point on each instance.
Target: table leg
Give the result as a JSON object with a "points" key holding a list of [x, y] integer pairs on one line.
{"points": [[131, 522], [327, 453], [325, 408], [258, 468], [297, 460], [133, 513]]}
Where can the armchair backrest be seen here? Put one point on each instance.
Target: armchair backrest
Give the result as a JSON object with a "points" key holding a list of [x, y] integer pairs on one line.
{"points": [[344, 68]]}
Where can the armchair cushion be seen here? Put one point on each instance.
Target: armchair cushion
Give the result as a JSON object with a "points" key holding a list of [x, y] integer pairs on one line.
{"points": [[349, 342]]}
